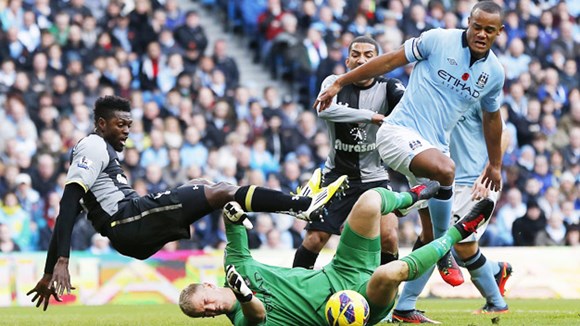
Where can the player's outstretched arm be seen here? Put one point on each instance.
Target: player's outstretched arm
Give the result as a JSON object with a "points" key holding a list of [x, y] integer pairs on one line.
{"points": [[492, 130], [376, 67], [56, 279], [252, 308]]}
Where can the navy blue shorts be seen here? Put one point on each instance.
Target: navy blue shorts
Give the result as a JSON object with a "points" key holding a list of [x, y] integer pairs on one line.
{"points": [[145, 224], [339, 209]]}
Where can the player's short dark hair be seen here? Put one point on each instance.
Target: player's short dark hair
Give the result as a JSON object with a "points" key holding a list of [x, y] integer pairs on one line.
{"points": [[106, 106], [490, 7], [364, 39]]}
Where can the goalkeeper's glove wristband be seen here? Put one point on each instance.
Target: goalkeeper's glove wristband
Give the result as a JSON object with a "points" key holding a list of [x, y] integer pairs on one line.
{"points": [[244, 298]]}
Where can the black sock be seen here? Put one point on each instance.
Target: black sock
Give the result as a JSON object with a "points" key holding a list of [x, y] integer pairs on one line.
{"points": [[444, 193], [387, 257], [480, 261], [259, 199], [304, 258]]}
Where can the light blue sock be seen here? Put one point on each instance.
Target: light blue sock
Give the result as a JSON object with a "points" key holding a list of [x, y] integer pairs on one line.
{"points": [[440, 211], [484, 280], [494, 267], [411, 291]]}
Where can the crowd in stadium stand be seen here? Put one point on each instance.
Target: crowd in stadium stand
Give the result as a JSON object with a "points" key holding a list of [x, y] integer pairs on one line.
{"points": [[196, 117]]}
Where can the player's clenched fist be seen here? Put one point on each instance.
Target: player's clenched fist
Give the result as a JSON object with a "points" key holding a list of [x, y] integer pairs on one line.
{"points": [[238, 285]]}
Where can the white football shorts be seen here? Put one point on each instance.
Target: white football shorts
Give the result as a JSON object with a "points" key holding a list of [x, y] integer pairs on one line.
{"points": [[398, 145]]}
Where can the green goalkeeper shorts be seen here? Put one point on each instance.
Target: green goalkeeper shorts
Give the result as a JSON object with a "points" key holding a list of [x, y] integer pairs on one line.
{"points": [[355, 261]]}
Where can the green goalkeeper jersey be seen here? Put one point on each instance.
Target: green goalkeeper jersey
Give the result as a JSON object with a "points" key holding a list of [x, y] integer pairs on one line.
{"points": [[294, 296], [298, 296]]}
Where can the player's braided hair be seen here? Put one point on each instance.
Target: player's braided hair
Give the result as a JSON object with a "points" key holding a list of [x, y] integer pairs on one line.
{"points": [[106, 106]]}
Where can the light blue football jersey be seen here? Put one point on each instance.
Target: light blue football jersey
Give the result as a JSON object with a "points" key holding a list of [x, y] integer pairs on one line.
{"points": [[467, 147], [443, 85]]}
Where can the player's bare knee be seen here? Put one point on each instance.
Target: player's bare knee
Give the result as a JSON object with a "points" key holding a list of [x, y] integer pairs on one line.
{"points": [[445, 172], [391, 274], [368, 204]]}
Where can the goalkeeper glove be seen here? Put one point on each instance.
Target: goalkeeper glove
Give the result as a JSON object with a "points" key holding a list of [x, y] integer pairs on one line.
{"points": [[235, 215], [238, 285]]}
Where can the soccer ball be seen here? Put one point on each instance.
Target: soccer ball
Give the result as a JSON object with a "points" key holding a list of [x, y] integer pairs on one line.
{"points": [[347, 308]]}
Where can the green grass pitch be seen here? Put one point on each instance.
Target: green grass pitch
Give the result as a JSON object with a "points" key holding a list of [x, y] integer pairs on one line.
{"points": [[551, 312]]}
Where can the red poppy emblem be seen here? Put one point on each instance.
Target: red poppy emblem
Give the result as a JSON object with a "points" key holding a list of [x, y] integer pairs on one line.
{"points": [[465, 76]]}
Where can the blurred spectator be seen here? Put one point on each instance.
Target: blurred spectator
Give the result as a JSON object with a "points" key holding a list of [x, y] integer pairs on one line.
{"points": [[548, 32], [554, 234], [153, 179], [139, 21], [221, 124], [44, 175], [500, 231], [153, 63], [528, 125], [274, 241], [7, 245], [191, 36], [175, 16], [295, 234], [167, 78], [226, 63], [257, 237], [515, 61], [551, 88], [283, 51], [513, 27], [532, 46], [327, 25], [526, 228], [157, 152], [310, 54], [416, 23], [542, 173], [290, 179], [573, 236], [131, 165], [28, 198], [23, 230], [565, 42], [172, 134], [572, 151], [174, 173], [100, 245], [261, 159], [12, 15], [16, 118], [193, 152]]}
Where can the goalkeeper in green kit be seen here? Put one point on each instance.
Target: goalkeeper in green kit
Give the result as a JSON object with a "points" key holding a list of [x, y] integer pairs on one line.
{"points": [[260, 294]]}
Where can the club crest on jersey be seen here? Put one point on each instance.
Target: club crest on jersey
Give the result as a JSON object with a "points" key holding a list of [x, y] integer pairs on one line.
{"points": [[482, 80], [121, 179], [414, 144], [358, 134], [84, 163]]}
